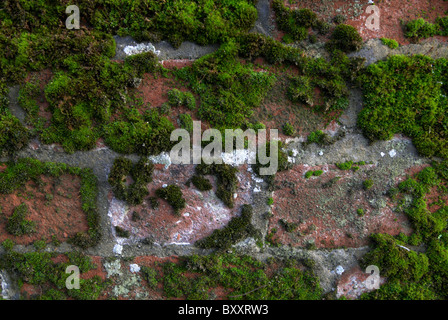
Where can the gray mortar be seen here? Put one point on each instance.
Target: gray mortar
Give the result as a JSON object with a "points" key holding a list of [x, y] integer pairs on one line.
{"points": [[14, 106], [374, 50], [265, 23]]}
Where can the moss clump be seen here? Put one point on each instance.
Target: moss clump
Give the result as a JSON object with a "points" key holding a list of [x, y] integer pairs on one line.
{"points": [[413, 275], [254, 45], [229, 90], [407, 95], [391, 43], [345, 38], [186, 122], [227, 180], [8, 244], [345, 165], [17, 224], [177, 98], [286, 280], [317, 137], [420, 28], [122, 233], [38, 269], [367, 184], [150, 276], [340, 18], [288, 226], [204, 23], [317, 173], [294, 22], [330, 77], [236, 230], [360, 212], [308, 174], [13, 135], [201, 183], [288, 129], [141, 174], [172, 194], [146, 62], [331, 182]]}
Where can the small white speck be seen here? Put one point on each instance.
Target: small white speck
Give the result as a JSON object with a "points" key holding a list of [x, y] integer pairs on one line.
{"points": [[339, 270], [118, 249], [134, 268]]}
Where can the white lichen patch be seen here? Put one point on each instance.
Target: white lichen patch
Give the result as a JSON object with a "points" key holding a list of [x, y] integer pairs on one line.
{"points": [[140, 48], [113, 268], [118, 249], [163, 158], [117, 211], [134, 268], [392, 153], [339, 270], [238, 157]]}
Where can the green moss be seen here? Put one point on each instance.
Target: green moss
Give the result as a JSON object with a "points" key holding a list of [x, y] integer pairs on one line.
{"points": [[172, 194], [294, 22], [345, 165], [175, 98], [367, 184], [360, 212], [407, 95], [227, 180], [205, 23], [391, 43], [308, 174], [201, 183], [186, 122], [254, 45], [288, 226], [345, 38], [317, 173], [122, 233], [288, 129], [244, 277], [8, 244], [17, 224], [338, 19], [228, 89], [413, 275], [13, 135], [330, 77], [317, 137], [146, 62], [236, 230], [420, 28], [150, 276], [141, 174], [38, 269]]}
